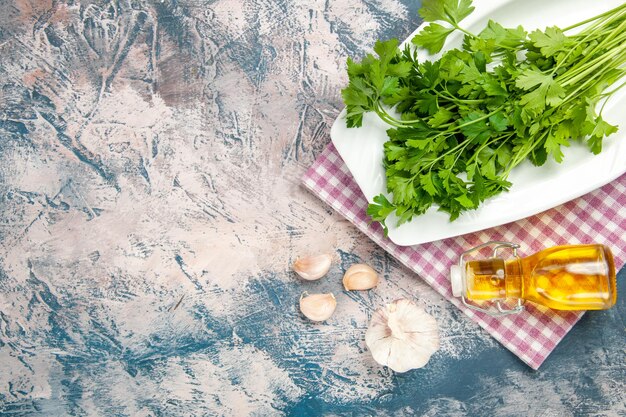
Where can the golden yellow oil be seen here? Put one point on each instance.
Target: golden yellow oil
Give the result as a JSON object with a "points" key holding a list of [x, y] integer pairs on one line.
{"points": [[576, 277], [486, 279]]}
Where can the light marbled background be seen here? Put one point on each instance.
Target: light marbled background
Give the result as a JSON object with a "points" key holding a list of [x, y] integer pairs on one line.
{"points": [[150, 206]]}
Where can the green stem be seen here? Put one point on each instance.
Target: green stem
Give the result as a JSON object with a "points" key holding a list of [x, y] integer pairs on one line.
{"points": [[386, 117], [585, 39], [591, 19], [590, 81], [610, 93], [480, 118], [567, 80], [602, 45], [470, 34], [457, 127], [453, 99], [458, 148], [608, 97], [521, 156], [502, 138]]}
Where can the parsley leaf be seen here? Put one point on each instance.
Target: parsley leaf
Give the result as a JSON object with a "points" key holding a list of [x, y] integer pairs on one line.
{"points": [[428, 184], [600, 130], [440, 117], [550, 41], [549, 92], [432, 37], [452, 11], [554, 141], [380, 209]]}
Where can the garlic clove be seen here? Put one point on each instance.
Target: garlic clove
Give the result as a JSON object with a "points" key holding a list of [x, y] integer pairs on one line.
{"points": [[317, 307], [360, 277], [312, 267], [402, 336]]}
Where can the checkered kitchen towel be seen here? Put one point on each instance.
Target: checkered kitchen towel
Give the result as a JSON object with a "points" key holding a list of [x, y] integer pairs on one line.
{"points": [[599, 216]]}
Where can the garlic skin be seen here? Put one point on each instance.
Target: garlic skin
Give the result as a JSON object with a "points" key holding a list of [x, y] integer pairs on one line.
{"points": [[312, 267], [402, 336], [317, 307], [360, 277]]}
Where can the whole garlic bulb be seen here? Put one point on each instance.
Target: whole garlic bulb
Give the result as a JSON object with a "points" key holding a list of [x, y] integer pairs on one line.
{"points": [[360, 277], [402, 336], [313, 267], [317, 307]]}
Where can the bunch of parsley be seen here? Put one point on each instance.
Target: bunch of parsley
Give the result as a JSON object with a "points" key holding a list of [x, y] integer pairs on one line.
{"points": [[467, 119]]}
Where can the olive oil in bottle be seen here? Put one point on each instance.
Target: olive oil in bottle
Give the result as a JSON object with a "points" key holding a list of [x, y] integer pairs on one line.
{"points": [[572, 277]]}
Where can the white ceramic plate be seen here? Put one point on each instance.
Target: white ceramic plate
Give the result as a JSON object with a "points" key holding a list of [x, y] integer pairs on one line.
{"points": [[534, 189]]}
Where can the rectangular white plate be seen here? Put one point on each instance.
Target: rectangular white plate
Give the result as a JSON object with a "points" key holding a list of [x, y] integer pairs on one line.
{"points": [[534, 189]]}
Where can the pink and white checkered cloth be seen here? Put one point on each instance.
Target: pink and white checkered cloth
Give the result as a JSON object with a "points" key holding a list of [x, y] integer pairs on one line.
{"points": [[598, 217]]}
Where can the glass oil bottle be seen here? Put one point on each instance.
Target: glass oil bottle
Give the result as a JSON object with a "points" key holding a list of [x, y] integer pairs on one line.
{"points": [[570, 277]]}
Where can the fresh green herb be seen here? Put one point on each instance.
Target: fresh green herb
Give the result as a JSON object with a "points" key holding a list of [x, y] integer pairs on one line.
{"points": [[470, 117]]}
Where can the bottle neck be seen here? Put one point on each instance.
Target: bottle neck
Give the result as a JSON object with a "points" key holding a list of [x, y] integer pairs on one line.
{"points": [[513, 278], [485, 279]]}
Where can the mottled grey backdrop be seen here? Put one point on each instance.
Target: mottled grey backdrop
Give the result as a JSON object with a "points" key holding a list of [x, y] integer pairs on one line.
{"points": [[150, 207]]}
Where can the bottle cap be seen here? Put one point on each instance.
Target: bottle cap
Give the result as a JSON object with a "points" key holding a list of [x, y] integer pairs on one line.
{"points": [[456, 279]]}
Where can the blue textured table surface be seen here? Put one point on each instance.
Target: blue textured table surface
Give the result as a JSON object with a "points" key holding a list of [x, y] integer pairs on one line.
{"points": [[150, 207]]}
